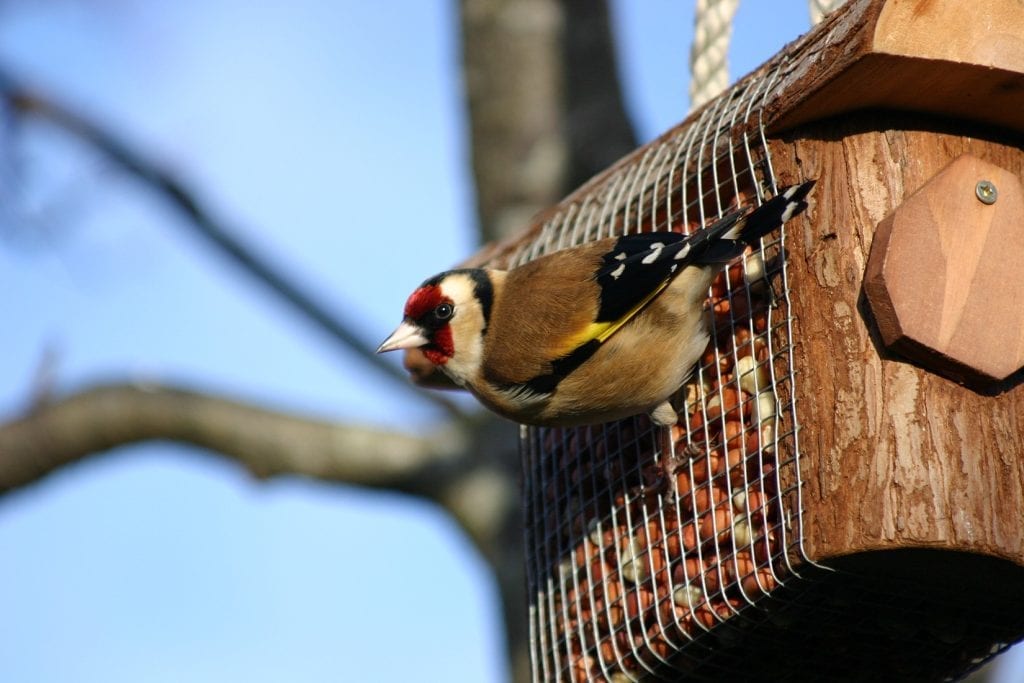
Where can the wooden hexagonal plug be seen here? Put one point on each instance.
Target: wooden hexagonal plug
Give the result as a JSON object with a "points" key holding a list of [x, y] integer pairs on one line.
{"points": [[944, 276]]}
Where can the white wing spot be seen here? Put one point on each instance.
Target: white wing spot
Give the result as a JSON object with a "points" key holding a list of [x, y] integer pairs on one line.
{"points": [[617, 273], [655, 253], [681, 254], [621, 256], [734, 231]]}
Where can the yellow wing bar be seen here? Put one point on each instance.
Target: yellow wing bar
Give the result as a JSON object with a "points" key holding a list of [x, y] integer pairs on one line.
{"points": [[601, 331]]}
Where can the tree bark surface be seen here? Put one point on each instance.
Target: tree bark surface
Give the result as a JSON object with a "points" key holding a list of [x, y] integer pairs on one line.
{"points": [[893, 455]]}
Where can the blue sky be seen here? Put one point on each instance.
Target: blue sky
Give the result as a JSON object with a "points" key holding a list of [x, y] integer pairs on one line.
{"points": [[332, 135]]}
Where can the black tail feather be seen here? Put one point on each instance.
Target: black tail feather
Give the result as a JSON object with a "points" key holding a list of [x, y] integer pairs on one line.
{"points": [[727, 237], [773, 213]]}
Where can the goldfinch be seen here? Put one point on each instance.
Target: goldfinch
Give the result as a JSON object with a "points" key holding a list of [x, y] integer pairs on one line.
{"points": [[588, 334]]}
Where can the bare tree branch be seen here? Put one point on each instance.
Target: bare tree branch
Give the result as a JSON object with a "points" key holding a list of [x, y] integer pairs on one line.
{"points": [[451, 467], [29, 102], [266, 442], [468, 468]]}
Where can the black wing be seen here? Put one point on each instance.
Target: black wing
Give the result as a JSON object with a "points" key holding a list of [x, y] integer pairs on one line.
{"points": [[639, 266]]}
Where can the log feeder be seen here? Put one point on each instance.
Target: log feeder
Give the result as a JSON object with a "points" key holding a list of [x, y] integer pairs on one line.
{"points": [[888, 448]]}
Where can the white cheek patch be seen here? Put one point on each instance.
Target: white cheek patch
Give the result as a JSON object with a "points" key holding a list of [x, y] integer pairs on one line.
{"points": [[466, 326]]}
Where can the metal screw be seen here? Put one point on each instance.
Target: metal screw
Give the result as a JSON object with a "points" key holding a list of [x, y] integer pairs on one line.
{"points": [[986, 192]]}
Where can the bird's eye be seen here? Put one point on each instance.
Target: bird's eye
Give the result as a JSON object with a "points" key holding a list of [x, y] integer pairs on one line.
{"points": [[444, 311]]}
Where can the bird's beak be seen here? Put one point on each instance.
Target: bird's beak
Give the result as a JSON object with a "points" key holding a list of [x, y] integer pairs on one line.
{"points": [[407, 336]]}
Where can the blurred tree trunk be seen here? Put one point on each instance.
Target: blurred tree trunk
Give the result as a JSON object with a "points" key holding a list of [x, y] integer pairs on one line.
{"points": [[546, 110]]}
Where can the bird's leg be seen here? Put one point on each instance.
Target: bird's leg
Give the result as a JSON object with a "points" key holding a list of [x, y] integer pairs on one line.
{"points": [[663, 417], [682, 455]]}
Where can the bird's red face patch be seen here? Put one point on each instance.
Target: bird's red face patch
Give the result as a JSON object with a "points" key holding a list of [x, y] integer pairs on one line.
{"points": [[441, 347], [422, 301], [421, 309]]}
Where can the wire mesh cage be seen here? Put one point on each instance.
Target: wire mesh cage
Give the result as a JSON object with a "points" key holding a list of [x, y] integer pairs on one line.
{"points": [[679, 554], [643, 542]]}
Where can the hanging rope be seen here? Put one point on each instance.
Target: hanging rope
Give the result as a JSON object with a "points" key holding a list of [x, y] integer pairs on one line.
{"points": [[709, 55], [820, 8], [709, 65]]}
